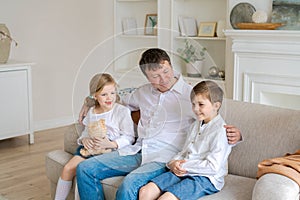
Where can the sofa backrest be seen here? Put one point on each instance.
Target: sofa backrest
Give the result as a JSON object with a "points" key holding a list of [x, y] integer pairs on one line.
{"points": [[267, 132], [70, 137]]}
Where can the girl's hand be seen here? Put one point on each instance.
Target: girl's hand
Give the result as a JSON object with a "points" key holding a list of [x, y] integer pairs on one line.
{"points": [[88, 143], [105, 143], [175, 167]]}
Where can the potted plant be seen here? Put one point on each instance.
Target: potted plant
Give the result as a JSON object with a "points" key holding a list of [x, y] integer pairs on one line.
{"points": [[194, 56]]}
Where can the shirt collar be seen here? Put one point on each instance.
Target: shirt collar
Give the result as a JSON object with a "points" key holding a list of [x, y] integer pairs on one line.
{"points": [[177, 87]]}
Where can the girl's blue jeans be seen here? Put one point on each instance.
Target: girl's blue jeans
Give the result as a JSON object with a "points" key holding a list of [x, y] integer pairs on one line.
{"points": [[91, 171]]}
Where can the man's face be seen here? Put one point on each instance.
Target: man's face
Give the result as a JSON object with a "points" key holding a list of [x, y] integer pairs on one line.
{"points": [[161, 78]]}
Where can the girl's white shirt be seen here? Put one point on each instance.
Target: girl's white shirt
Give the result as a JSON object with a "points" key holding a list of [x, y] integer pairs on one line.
{"points": [[119, 125]]}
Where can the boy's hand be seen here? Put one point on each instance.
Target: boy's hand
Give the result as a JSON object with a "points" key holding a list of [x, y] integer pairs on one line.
{"points": [[175, 167]]}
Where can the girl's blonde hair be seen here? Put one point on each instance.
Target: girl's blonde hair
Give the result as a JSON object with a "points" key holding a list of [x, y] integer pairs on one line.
{"points": [[98, 82]]}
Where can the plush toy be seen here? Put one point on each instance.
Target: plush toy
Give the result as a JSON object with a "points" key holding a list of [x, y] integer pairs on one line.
{"points": [[96, 129]]}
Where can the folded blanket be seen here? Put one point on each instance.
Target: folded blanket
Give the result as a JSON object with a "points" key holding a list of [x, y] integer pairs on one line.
{"points": [[288, 165]]}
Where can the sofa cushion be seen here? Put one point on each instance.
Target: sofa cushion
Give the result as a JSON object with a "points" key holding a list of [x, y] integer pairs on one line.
{"points": [[110, 186], [281, 188], [236, 188]]}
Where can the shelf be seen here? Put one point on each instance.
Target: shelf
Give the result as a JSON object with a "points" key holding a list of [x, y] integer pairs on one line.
{"points": [[203, 38], [134, 0], [203, 78], [139, 36], [194, 80]]}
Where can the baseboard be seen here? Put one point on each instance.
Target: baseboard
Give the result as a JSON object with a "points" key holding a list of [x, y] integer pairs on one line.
{"points": [[53, 123]]}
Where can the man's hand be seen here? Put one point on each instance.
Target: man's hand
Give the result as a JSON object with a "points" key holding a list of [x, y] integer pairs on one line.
{"points": [[175, 167], [233, 134], [83, 112], [105, 143]]}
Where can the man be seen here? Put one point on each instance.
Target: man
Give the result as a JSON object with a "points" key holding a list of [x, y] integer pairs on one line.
{"points": [[166, 115]]}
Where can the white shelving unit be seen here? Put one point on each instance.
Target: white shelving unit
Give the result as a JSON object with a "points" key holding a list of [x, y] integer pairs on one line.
{"points": [[127, 48], [16, 100], [202, 11]]}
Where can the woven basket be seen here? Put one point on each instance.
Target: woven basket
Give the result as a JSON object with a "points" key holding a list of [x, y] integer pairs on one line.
{"points": [[5, 41]]}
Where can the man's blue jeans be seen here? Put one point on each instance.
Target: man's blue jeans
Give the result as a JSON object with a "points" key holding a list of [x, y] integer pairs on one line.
{"points": [[91, 171]]}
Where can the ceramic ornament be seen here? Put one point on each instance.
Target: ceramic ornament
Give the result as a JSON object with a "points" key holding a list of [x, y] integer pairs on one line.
{"points": [[260, 16]]}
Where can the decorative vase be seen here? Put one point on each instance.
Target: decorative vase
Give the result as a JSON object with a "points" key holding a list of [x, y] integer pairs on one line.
{"points": [[194, 69], [5, 41]]}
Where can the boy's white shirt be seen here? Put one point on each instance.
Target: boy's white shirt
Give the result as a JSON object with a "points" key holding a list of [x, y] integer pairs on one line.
{"points": [[119, 125], [206, 151]]}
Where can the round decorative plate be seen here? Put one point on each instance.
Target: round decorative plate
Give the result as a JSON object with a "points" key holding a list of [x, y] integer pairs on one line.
{"points": [[241, 13]]}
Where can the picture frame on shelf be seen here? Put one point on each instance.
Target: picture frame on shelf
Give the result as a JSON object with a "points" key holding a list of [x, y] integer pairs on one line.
{"points": [[129, 26], [187, 26], [151, 24], [207, 29]]}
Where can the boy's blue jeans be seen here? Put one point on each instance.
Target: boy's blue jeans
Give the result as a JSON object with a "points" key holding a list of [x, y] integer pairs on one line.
{"points": [[91, 171]]}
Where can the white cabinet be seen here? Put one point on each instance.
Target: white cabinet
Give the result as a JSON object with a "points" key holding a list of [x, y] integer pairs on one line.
{"points": [[128, 47], [15, 101]]}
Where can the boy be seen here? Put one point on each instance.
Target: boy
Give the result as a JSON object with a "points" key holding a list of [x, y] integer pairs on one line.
{"points": [[199, 169]]}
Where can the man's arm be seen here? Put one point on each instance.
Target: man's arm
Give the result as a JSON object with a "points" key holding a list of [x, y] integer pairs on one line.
{"points": [[233, 134], [88, 103]]}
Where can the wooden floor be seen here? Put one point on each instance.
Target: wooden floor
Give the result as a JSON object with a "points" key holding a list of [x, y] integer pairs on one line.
{"points": [[22, 166]]}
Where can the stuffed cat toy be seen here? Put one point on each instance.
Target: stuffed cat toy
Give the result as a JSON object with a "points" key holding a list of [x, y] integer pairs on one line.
{"points": [[96, 129]]}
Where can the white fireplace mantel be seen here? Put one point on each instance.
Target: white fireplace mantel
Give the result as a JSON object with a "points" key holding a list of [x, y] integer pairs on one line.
{"points": [[261, 41], [266, 66]]}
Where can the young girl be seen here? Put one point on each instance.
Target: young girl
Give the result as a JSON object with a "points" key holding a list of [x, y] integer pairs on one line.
{"points": [[200, 167], [120, 128]]}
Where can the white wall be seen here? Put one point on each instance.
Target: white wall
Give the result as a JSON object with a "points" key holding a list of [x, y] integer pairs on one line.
{"points": [[57, 35]]}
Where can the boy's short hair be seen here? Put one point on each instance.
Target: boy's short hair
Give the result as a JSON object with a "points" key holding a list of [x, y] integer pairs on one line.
{"points": [[152, 58], [210, 89]]}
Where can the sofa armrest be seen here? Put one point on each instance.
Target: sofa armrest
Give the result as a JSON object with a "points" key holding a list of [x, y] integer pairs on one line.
{"points": [[275, 187], [70, 137], [55, 162]]}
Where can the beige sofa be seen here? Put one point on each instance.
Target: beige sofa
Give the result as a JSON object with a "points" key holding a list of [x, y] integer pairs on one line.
{"points": [[267, 132]]}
